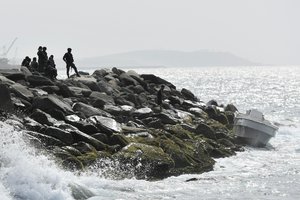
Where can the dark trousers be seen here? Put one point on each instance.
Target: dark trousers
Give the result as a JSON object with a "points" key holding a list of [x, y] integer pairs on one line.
{"points": [[74, 67]]}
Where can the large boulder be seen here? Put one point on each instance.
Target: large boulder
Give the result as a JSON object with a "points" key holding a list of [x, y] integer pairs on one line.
{"points": [[22, 91], [99, 99], [88, 110], [60, 134], [35, 80], [205, 130], [89, 81], [80, 136], [157, 80], [5, 98], [43, 118], [51, 102], [127, 80], [6, 81], [106, 124], [79, 92], [13, 74], [153, 161], [188, 94]]}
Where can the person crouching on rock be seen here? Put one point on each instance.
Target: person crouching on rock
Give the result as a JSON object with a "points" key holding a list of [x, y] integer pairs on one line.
{"points": [[51, 70], [68, 58], [159, 98]]}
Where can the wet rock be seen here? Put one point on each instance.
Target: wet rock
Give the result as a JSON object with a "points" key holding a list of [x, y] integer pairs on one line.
{"points": [[118, 139], [188, 94], [100, 73], [13, 74], [127, 80], [50, 102], [79, 136], [156, 80], [72, 150], [205, 130], [5, 98], [33, 125], [101, 137], [89, 81], [60, 134], [166, 119], [88, 110], [83, 147], [43, 118], [79, 92], [22, 91], [231, 108], [117, 71], [46, 139], [35, 80], [154, 162], [6, 81], [212, 103], [25, 71], [100, 99], [106, 124], [143, 112], [51, 89]]}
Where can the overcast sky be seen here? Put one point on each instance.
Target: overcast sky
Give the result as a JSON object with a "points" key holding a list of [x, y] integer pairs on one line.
{"points": [[266, 31]]}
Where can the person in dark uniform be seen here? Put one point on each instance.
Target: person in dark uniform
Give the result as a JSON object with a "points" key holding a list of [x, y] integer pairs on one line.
{"points": [[160, 96], [34, 65], [40, 59], [51, 70], [68, 58], [26, 62]]}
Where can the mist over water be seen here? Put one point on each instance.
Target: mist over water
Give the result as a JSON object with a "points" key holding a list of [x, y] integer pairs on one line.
{"points": [[258, 173]]}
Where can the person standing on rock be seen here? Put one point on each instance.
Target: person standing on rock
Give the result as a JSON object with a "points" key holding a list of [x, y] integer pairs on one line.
{"points": [[68, 58], [42, 58], [159, 98]]}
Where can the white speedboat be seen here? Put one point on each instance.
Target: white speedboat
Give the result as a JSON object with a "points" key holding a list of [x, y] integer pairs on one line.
{"points": [[251, 128]]}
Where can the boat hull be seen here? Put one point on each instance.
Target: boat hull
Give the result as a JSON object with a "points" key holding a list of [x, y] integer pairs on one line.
{"points": [[252, 132]]}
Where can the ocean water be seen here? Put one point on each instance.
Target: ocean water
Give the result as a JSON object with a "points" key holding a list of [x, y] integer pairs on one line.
{"points": [[257, 173]]}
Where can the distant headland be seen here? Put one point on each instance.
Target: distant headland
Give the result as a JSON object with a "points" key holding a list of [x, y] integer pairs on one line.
{"points": [[167, 58]]}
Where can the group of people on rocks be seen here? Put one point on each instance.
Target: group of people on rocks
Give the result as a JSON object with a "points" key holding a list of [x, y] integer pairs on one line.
{"points": [[46, 65]]}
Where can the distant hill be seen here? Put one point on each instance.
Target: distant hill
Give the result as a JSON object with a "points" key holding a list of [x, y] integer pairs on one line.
{"points": [[166, 58]]}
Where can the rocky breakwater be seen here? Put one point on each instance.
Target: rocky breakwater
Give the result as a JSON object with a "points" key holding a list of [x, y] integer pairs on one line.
{"points": [[112, 115]]}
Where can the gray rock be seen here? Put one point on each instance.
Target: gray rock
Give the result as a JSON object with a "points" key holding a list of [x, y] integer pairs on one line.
{"points": [[157, 80], [35, 80], [88, 110], [79, 136], [43, 118], [5, 98], [188, 94], [51, 89], [102, 98], [6, 81], [79, 92], [106, 124], [22, 91], [206, 131], [143, 112], [46, 139], [60, 134], [127, 80], [48, 103], [100, 73]]}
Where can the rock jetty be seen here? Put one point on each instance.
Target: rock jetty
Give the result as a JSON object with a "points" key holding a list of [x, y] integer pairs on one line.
{"points": [[112, 115]]}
